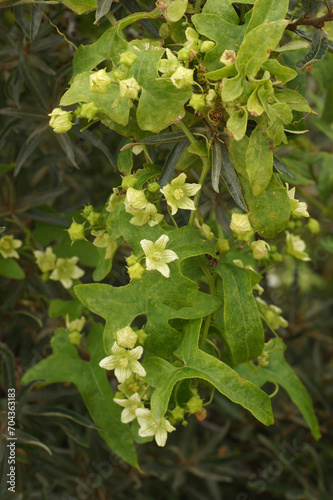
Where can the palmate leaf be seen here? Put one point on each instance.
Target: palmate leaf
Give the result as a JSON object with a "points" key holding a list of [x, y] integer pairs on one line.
{"points": [[198, 364], [65, 365], [154, 296], [279, 372], [243, 330]]}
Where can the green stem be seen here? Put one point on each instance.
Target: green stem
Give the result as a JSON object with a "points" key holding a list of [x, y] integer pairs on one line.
{"points": [[186, 131], [208, 275], [205, 330], [197, 6], [211, 397], [172, 218], [204, 173], [111, 18]]}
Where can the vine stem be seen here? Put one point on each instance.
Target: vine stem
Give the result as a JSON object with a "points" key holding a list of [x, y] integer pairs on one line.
{"points": [[186, 131], [205, 330], [204, 173], [172, 218]]}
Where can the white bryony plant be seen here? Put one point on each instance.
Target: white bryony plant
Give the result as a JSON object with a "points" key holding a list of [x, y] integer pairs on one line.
{"points": [[157, 258]]}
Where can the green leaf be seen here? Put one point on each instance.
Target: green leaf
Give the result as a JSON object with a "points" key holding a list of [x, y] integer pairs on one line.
{"points": [[175, 10], [6, 167], [237, 123], [318, 49], [103, 8], [9, 268], [226, 35], [65, 365], [104, 265], [237, 152], [265, 11], [294, 100], [279, 372], [259, 161], [281, 168], [282, 73], [292, 45], [257, 45], [270, 211], [58, 307], [243, 330], [325, 182], [8, 368], [198, 364], [49, 411], [110, 102], [171, 162], [155, 140], [308, 5], [125, 160], [80, 6], [24, 438]]}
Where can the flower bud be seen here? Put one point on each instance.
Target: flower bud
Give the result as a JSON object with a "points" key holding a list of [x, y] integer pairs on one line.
{"points": [[76, 325], [260, 249], [153, 187], [128, 181], [313, 226], [119, 74], [197, 101], [128, 58], [228, 57], [206, 232], [129, 88], [61, 121], [194, 405], [87, 211], [222, 246], [211, 98], [276, 257], [126, 337], [182, 77], [135, 199], [136, 272], [94, 218], [99, 82], [184, 54], [241, 225], [191, 35], [87, 110], [207, 46], [75, 338], [131, 260], [76, 232], [141, 336], [178, 414]]}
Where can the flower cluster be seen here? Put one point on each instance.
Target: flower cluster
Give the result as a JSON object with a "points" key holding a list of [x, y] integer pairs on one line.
{"points": [[63, 270]]}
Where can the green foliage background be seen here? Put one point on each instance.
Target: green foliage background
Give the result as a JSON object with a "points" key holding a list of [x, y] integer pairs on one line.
{"points": [[228, 455]]}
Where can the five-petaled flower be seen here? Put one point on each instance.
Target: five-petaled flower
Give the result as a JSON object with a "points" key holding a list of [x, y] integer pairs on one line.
{"points": [[8, 246], [124, 362], [178, 194], [157, 258], [298, 208], [45, 260], [130, 405], [296, 247], [65, 271], [149, 426], [146, 215]]}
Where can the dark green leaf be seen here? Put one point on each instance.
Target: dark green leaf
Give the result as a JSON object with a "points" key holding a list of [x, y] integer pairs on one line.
{"points": [[281, 168], [8, 368], [67, 147], [325, 182], [9, 268], [198, 364], [308, 5], [243, 330], [103, 7], [80, 6], [171, 162], [54, 412], [125, 161], [318, 49], [279, 372], [29, 17], [148, 25], [27, 439], [27, 149], [230, 178], [58, 307]]}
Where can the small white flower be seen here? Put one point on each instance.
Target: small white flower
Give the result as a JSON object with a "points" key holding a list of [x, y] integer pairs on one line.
{"points": [[157, 258], [129, 88], [260, 249], [298, 208], [126, 337], [151, 427], [45, 260], [135, 200], [178, 194], [182, 77], [76, 325], [130, 405], [103, 240], [240, 224], [296, 247], [146, 215], [65, 271], [124, 362], [272, 314]]}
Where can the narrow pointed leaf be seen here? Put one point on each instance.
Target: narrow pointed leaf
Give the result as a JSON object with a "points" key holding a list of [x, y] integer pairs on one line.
{"points": [[281, 168], [230, 178], [318, 50], [49, 411], [173, 158], [103, 7]]}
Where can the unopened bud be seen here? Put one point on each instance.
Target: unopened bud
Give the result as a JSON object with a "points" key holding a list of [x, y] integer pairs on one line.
{"points": [[241, 225], [194, 405], [131, 260], [60, 121], [128, 58], [182, 77], [99, 82], [207, 46], [141, 336], [76, 232], [136, 272], [129, 88], [222, 246], [184, 54], [313, 226], [228, 57], [94, 218], [153, 187], [119, 74], [197, 101], [87, 110], [260, 249], [128, 181]]}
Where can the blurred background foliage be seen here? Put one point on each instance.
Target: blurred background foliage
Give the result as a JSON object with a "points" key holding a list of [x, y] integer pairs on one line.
{"points": [[45, 180]]}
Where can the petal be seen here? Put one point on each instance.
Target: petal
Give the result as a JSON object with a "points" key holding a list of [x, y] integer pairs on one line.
{"points": [[163, 269], [122, 373], [150, 265], [179, 181], [191, 189], [142, 414], [108, 363], [137, 221], [168, 426], [135, 353], [136, 367], [186, 204], [117, 350], [161, 437], [66, 282], [54, 275], [77, 273], [147, 430], [146, 245], [73, 259], [169, 256], [121, 402], [161, 243], [127, 415]]}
